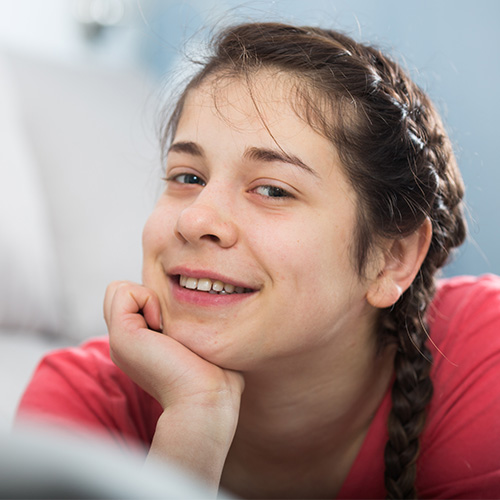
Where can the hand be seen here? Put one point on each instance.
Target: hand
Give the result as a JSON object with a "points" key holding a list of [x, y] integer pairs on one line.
{"points": [[200, 400], [163, 367]]}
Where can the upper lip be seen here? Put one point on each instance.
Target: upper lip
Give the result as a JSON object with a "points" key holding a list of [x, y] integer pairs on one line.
{"points": [[210, 274]]}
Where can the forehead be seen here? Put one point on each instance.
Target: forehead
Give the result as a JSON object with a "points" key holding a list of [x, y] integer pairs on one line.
{"points": [[244, 97], [266, 105]]}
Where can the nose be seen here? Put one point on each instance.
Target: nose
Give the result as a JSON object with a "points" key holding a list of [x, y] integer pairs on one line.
{"points": [[207, 219]]}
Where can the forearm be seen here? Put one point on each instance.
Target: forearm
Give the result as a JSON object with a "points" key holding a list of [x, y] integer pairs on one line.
{"points": [[198, 441]]}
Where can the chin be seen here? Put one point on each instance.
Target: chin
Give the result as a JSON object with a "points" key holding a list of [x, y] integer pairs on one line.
{"points": [[203, 340]]}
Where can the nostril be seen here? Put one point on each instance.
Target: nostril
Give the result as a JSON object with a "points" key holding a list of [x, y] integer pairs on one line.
{"points": [[212, 237]]}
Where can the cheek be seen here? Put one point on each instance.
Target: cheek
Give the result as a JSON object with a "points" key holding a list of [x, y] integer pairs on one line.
{"points": [[157, 229], [318, 259], [150, 238], [312, 245], [155, 234]]}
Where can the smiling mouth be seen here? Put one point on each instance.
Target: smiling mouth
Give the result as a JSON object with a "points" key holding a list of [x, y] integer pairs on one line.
{"points": [[211, 286]]}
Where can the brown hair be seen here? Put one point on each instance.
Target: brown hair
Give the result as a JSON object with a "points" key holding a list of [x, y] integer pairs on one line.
{"points": [[399, 159]]}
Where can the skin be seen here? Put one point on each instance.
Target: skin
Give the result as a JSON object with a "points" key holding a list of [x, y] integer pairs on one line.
{"points": [[255, 381]]}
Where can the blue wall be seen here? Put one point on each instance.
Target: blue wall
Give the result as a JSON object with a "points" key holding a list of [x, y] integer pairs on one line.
{"points": [[451, 47]]}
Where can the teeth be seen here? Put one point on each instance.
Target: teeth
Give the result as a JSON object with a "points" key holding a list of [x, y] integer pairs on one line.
{"points": [[207, 285], [191, 283], [217, 286], [204, 285]]}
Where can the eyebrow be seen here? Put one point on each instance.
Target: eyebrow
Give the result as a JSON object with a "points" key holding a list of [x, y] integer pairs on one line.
{"points": [[271, 155], [190, 148], [251, 153]]}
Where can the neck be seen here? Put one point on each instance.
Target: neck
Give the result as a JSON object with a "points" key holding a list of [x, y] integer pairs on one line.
{"points": [[295, 401], [314, 416]]}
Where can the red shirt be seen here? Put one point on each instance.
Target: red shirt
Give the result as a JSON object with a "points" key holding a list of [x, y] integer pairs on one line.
{"points": [[460, 447]]}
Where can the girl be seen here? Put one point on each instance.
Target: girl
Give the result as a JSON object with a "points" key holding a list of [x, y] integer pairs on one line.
{"points": [[285, 342]]}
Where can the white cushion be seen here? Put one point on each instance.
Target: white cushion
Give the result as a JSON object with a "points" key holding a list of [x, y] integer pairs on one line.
{"points": [[29, 282], [98, 156]]}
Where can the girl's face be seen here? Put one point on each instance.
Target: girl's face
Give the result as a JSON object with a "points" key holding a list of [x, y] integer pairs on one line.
{"points": [[248, 248]]}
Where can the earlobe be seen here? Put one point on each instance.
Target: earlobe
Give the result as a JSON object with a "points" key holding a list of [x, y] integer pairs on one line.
{"points": [[384, 292], [401, 263]]}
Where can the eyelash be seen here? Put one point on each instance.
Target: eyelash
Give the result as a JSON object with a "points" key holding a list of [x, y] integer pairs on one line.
{"points": [[195, 179], [277, 192]]}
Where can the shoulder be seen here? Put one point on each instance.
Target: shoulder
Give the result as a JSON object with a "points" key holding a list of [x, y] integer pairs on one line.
{"points": [[462, 298], [76, 367], [461, 445], [94, 352], [83, 387], [464, 325]]}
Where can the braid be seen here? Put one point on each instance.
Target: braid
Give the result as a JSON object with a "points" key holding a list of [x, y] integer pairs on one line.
{"points": [[433, 164], [411, 393]]}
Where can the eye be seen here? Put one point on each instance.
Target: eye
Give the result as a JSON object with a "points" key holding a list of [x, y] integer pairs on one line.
{"points": [[272, 192], [187, 179]]}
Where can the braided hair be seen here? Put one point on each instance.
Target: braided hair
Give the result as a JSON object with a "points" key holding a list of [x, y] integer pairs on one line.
{"points": [[398, 158]]}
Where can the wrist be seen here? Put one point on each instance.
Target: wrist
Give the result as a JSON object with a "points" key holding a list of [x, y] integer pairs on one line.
{"points": [[196, 438], [212, 416]]}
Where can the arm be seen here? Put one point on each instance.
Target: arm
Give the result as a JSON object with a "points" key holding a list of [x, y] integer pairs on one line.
{"points": [[200, 401], [197, 439]]}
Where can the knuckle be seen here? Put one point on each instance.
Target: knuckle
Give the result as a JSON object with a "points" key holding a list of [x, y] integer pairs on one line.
{"points": [[118, 287]]}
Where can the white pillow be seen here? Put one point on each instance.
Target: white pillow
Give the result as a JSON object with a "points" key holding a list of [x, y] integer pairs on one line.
{"points": [[98, 154], [29, 281]]}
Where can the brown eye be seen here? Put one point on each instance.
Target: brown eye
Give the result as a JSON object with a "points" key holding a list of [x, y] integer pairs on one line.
{"points": [[272, 192], [187, 179]]}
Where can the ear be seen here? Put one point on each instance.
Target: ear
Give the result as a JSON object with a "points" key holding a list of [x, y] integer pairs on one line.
{"points": [[400, 264]]}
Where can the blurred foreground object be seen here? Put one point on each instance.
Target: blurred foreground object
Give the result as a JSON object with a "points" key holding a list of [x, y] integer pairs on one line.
{"points": [[42, 463]]}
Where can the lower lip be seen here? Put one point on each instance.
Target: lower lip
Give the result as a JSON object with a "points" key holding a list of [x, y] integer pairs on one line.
{"points": [[206, 299]]}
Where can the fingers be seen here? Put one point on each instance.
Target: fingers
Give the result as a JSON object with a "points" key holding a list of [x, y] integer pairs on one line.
{"points": [[165, 368], [152, 312], [133, 305]]}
